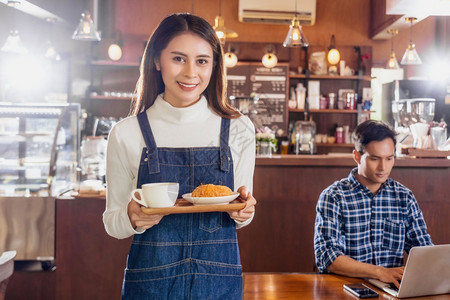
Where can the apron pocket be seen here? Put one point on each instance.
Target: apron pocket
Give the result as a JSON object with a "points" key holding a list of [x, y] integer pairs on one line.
{"points": [[210, 222]]}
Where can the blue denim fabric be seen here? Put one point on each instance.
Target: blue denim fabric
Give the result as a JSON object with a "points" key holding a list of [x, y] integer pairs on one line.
{"points": [[185, 256]]}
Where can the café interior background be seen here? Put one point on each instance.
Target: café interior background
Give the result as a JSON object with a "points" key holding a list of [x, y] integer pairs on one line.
{"points": [[351, 21]]}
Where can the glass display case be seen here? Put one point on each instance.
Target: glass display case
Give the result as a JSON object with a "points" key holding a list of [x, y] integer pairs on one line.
{"points": [[40, 148]]}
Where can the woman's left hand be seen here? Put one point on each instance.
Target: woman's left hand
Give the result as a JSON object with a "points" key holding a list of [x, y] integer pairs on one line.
{"points": [[247, 212]]}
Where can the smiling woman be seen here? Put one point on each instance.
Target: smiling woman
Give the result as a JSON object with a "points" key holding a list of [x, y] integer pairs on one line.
{"points": [[182, 130]]}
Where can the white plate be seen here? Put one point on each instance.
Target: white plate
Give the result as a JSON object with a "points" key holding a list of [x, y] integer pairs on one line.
{"points": [[210, 200]]}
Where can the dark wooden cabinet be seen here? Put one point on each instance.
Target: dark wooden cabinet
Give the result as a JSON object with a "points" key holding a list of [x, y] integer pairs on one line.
{"points": [[90, 264]]}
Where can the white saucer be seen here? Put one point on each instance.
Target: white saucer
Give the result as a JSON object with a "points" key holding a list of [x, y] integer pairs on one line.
{"points": [[210, 200]]}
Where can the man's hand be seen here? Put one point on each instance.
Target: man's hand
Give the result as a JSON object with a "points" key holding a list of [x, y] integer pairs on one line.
{"points": [[347, 266], [390, 275]]}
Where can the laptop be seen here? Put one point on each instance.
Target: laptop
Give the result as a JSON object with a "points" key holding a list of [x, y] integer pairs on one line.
{"points": [[427, 272]]}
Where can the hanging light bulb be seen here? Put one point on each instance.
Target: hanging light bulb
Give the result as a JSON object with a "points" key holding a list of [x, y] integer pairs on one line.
{"points": [[231, 59], [222, 32], [333, 56], [14, 44], [51, 52], [411, 57], [269, 60], [295, 36], [115, 49], [392, 62], [86, 30]]}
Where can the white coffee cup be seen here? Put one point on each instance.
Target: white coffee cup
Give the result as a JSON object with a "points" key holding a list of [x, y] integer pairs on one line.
{"points": [[161, 194]]}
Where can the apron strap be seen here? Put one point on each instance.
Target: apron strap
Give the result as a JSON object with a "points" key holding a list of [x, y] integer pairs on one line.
{"points": [[152, 150], [225, 152]]}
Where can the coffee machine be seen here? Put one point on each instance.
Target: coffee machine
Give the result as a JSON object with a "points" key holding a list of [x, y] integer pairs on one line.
{"points": [[304, 133]]}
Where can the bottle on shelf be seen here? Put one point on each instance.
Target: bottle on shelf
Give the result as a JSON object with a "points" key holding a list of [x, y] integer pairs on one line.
{"points": [[300, 95], [340, 139]]}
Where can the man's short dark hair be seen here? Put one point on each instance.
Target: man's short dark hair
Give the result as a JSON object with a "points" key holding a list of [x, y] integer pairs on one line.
{"points": [[372, 130]]}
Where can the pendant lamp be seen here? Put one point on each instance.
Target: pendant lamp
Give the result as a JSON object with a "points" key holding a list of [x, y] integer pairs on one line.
{"points": [[86, 30], [222, 32], [333, 56], [14, 44], [269, 60], [51, 52], [295, 36], [115, 48], [411, 57], [230, 58], [392, 62]]}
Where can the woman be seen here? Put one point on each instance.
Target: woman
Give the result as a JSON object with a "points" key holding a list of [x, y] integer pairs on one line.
{"points": [[181, 129]]}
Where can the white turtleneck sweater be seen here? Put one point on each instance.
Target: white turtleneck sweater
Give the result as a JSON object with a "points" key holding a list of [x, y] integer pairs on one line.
{"points": [[194, 126]]}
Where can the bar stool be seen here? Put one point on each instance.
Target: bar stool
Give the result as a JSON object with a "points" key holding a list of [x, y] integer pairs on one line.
{"points": [[6, 270]]}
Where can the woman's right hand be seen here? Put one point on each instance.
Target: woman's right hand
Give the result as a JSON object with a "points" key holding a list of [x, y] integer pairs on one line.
{"points": [[139, 218]]}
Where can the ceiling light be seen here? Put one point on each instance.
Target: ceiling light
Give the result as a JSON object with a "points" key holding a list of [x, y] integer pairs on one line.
{"points": [[392, 62], [12, 3], [269, 60], [13, 43], [295, 36], [333, 56], [86, 30], [222, 32], [411, 57], [115, 49], [51, 53], [231, 59]]}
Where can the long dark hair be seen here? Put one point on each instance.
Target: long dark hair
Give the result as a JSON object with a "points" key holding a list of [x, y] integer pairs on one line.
{"points": [[150, 83]]}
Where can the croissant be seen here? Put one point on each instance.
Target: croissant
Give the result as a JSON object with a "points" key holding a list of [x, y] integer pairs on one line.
{"points": [[211, 190]]}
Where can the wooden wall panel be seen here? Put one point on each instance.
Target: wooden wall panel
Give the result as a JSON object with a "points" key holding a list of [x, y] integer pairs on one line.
{"points": [[280, 238]]}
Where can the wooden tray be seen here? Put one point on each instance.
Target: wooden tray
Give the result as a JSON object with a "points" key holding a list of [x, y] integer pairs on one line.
{"points": [[100, 194], [183, 207], [428, 153]]}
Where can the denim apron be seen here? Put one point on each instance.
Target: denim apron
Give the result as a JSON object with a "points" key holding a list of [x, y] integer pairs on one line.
{"points": [[185, 256]]}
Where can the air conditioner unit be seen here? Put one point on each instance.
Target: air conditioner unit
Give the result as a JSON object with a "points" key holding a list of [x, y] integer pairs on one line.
{"points": [[277, 11]]}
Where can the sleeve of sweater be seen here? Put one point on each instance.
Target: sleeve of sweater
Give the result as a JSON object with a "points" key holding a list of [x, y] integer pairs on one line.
{"points": [[242, 143], [120, 181]]}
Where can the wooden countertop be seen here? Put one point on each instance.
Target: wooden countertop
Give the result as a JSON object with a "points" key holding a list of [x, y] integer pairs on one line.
{"points": [[345, 160], [306, 286]]}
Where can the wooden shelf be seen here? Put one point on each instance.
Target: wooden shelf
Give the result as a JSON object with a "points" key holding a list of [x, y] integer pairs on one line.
{"points": [[110, 98], [111, 64], [332, 77], [326, 111], [335, 145]]}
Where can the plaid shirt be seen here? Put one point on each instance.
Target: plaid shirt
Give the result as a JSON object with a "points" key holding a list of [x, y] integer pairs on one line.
{"points": [[374, 229]]}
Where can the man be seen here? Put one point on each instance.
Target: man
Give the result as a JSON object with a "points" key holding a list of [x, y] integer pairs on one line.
{"points": [[365, 222]]}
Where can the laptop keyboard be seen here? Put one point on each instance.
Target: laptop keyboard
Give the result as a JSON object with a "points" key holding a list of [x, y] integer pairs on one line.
{"points": [[393, 287]]}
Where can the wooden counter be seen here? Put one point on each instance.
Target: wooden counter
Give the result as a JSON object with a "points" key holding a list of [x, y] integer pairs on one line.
{"points": [[306, 286], [90, 264], [280, 238]]}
